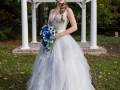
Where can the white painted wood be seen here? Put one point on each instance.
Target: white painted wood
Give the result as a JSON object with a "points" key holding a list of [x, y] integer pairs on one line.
{"points": [[24, 25], [37, 4], [83, 25], [88, 1], [83, 28], [54, 0], [93, 39], [80, 4], [34, 31]]}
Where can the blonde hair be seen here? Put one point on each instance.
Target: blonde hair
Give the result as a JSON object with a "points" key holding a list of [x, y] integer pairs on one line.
{"points": [[64, 6]]}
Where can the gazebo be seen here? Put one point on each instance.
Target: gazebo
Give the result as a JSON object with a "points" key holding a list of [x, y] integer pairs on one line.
{"points": [[33, 46], [81, 3]]}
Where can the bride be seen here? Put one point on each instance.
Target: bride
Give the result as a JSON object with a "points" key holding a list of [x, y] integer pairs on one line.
{"points": [[65, 67]]}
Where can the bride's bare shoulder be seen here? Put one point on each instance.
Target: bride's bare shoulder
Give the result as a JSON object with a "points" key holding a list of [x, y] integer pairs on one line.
{"points": [[69, 11], [51, 10]]}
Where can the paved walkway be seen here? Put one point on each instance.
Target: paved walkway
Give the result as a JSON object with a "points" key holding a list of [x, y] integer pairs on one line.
{"points": [[85, 47]]}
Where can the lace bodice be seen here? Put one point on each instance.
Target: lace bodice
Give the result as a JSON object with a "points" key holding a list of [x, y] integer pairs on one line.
{"points": [[57, 23]]}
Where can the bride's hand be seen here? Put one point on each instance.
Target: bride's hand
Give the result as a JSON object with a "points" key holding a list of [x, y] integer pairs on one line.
{"points": [[58, 35]]}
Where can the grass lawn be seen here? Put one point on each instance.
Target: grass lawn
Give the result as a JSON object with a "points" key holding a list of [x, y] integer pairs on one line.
{"points": [[100, 39], [15, 70]]}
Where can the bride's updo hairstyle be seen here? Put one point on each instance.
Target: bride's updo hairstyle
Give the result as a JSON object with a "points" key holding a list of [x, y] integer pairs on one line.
{"points": [[64, 6]]}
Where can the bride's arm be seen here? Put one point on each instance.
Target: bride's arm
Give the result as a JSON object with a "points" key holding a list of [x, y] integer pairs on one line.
{"points": [[48, 18], [72, 20]]}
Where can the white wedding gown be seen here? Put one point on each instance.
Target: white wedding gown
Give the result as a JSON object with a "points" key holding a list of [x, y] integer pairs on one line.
{"points": [[64, 68]]}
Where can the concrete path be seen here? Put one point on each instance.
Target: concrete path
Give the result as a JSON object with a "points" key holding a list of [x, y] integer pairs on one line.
{"points": [[34, 48]]}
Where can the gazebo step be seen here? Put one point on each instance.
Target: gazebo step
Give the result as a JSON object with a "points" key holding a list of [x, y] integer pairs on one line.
{"points": [[86, 48], [34, 48]]}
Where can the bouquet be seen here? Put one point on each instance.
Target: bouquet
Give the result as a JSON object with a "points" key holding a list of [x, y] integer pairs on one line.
{"points": [[47, 37]]}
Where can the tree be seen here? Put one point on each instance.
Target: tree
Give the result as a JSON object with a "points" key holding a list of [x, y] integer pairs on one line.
{"points": [[10, 12], [108, 16], [40, 15]]}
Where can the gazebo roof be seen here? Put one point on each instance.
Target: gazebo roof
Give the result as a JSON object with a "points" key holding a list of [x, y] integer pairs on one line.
{"points": [[54, 0]]}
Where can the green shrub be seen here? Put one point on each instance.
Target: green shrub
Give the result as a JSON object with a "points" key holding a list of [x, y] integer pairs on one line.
{"points": [[13, 32], [3, 32]]}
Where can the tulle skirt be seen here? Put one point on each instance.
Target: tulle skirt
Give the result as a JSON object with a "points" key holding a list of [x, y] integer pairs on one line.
{"points": [[64, 68]]}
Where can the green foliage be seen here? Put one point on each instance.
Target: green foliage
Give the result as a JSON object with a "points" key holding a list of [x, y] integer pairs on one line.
{"points": [[100, 38], [3, 32], [50, 5], [10, 12], [104, 12], [108, 14], [10, 22], [13, 32], [108, 11]]}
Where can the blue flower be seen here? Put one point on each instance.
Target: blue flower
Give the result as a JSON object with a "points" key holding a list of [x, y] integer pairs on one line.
{"points": [[44, 43], [45, 29], [44, 33], [53, 33], [46, 50], [50, 28], [47, 37]]}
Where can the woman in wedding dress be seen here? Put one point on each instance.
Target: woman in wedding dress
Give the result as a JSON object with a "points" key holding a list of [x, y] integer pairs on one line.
{"points": [[65, 67]]}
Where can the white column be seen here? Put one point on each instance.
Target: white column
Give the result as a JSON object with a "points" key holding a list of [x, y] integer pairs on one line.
{"points": [[93, 39], [83, 27], [24, 25], [34, 32]]}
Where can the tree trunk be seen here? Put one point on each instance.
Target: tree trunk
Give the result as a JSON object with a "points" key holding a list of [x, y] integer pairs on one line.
{"points": [[40, 16]]}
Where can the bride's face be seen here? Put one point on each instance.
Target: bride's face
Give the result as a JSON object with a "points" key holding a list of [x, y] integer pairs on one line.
{"points": [[60, 1]]}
